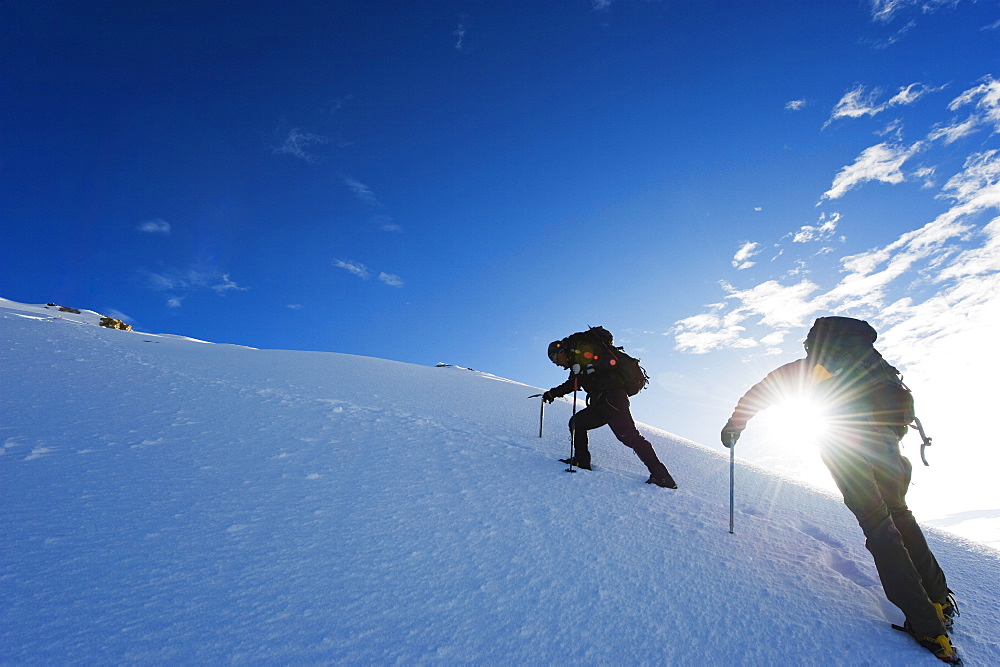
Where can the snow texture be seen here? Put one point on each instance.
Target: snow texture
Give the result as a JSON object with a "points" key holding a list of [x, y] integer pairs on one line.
{"points": [[170, 501]]}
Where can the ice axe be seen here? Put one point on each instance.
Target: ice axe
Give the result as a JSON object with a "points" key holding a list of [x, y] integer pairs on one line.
{"points": [[925, 440]]}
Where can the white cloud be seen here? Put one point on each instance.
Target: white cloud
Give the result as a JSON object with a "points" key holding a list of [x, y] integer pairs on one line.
{"points": [[741, 260], [777, 305], [297, 142], [294, 306], [770, 304], [884, 11], [795, 105], [882, 162], [951, 252], [390, 279], [978, 261], [854, 104], [977, 187], [926, 174], [226, 285], [986, 99], [365, 195], [191, 280], [157, 226], [951, 133], [893, 129], [824, 231], [601, 5], [459, 33], [700, 334], [858, 102], [360, 270], [362, 192], [387, 224], [908, 95], [895, 37]]}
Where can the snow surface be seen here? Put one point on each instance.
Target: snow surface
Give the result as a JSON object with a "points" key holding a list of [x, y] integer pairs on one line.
{"points": [[168, 501]]}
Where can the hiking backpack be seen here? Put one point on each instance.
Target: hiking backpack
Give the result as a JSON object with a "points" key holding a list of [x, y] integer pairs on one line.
{"points": [[891, 400], [596, 347]]}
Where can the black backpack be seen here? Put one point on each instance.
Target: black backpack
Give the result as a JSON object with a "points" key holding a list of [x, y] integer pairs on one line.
{"points": [[596, 345], [891, 400]]}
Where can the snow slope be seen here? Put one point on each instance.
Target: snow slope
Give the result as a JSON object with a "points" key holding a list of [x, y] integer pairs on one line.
{"points": [[166, 500]]}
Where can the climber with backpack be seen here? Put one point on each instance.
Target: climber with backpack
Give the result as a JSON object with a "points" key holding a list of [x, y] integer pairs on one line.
{"points": [[868, 411], [609, 376]]}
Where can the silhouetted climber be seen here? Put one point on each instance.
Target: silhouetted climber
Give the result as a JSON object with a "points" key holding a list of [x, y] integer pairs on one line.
{"points": [[868, 409], [609, 377]]}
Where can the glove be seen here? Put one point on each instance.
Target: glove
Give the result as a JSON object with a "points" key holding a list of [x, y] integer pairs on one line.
{"points": [[731, 434], [548, 397]]}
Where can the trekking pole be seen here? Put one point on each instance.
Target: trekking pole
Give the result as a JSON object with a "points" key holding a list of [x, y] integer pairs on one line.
{"points": [[732, 476], [541, 418], [572, 433]]}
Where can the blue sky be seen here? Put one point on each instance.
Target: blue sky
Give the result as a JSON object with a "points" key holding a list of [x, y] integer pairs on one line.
{"points": [[466, 181]]}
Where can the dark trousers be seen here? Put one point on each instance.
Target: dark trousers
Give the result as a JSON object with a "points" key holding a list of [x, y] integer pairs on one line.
{"points": [[612, 408], [874, 477]]}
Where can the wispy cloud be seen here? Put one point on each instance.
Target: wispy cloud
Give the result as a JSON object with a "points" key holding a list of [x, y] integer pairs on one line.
{"points": [[956, 258], [882, 162], [226, 285], [823, 231], [856, 103], [859, 102], [949, 134], [361, 271], [190, 280], [884, 11], [356, 268], [986, 100], [703, 333], [795, 105], [297, 144], [741, 260], [459, 33], [362, 192], [387, 224], [157, 226], [929, 284], [390, 279]]}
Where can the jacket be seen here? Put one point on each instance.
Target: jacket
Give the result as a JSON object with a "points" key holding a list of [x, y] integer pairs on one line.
{"points": [[590, 371], [862, 397]]}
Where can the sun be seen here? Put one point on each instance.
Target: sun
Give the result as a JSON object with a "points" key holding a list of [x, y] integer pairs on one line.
{"points": [[795, 423]]}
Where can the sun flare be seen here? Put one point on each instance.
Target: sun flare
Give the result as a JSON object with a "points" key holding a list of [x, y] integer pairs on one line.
{"points": [[796, 423]]}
